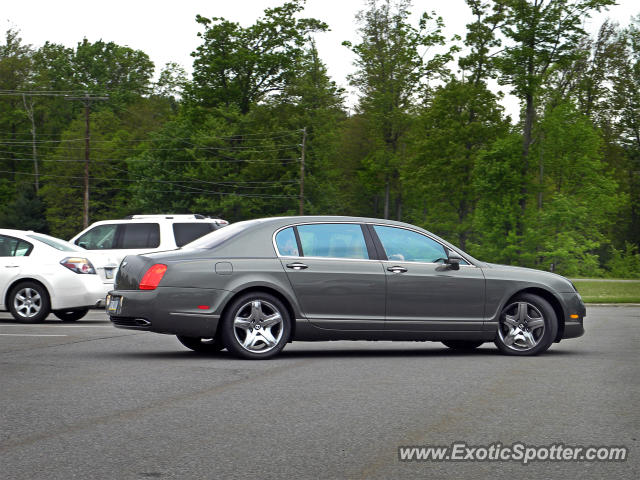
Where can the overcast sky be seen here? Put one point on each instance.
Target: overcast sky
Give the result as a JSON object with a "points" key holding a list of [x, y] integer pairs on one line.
{"points": [[166, 30]]}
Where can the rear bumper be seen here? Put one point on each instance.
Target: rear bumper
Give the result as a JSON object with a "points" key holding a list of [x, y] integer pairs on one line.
{"points": [[75, 290], [192, 312]]}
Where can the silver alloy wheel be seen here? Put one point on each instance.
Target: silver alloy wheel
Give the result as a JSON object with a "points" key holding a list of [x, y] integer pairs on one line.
{"points": [[27, 302], [258, 326], [521, 326]]}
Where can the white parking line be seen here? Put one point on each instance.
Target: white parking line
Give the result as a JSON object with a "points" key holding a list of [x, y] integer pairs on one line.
{"points": [[56, 326], [29, 335]]}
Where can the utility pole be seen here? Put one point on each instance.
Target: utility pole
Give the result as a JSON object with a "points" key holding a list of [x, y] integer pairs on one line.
{"points": [[29, 110], [86, 99], [304, 144]]}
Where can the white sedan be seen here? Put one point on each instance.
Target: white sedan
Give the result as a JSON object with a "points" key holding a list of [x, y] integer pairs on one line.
{"points": [[40, 274]]}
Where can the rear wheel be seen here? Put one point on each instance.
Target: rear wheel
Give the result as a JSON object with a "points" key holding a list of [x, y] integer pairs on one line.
{"points": [[29, 302], [462, 345], [256, 326], [201, 345], [527, 326], [71, 315]]}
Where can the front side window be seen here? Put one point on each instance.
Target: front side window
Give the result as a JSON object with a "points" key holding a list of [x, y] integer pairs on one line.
{"points": [[101, 237], [140, 235], [333, 240], [14, 247], [286, 243], [408, 246]]}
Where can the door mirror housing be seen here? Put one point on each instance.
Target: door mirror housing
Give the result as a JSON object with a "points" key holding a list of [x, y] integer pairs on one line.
{"points": [[453, 261]]}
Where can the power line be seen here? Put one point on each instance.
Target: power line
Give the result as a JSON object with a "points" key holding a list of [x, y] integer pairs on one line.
{"points": [[194, 190], [194, 161]]}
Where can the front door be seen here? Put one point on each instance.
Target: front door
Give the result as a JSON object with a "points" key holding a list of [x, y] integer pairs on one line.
{"points": [[423, 293]]}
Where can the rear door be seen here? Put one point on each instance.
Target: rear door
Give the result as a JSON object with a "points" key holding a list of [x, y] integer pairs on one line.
{"points": [[424, 294], [14, 255], [333, 271]]}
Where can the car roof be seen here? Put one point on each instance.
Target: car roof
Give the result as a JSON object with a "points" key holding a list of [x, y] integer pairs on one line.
{"points": [[13, 231], [257, 234]]}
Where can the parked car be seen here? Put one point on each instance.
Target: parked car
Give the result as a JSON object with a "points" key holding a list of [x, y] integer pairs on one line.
{"points": [[142, 234], [256, 285], [40, 274]]}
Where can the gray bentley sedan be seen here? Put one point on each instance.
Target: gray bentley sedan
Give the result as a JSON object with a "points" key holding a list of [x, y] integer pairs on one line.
{"points": [[253, 286]]}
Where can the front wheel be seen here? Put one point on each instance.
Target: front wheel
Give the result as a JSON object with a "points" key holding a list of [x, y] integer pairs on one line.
{"points": [[256, 326], [462, 345], [201, 345], [29, 302], [71, 315], [527, 326]]}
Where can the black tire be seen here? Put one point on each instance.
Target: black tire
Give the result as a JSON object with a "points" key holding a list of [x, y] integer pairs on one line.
{"points": [[543, 339], [71, 315], [37, 295], [463, 345], [201, 345], [232, 335]]}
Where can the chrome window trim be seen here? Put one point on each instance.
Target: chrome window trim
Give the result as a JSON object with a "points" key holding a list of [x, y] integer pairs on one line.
{"points": [[275, 246]]}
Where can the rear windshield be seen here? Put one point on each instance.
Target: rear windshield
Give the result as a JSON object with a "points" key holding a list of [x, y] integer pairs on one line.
{"points": [[52, 242], [220, 236]]}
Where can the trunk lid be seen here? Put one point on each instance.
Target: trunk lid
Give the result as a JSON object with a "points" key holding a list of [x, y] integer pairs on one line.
{"points": [[131, 270]]}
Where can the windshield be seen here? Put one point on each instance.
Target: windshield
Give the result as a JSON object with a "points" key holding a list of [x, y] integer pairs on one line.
{"points": [[55, 243], [220, 236]]}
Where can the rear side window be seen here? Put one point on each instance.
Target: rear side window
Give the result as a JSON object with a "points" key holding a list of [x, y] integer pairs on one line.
{"points": [[52, 242], [139, 235], [14, 247], [333, 240], [101, 237], [188, 232], [286, 243]]}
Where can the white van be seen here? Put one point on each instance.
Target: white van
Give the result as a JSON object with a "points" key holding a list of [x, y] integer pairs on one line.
{"points": [[137, 234]]}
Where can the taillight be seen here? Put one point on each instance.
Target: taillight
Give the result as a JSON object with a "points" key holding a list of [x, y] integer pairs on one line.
{"points": [[152, 278], [78, 265]]}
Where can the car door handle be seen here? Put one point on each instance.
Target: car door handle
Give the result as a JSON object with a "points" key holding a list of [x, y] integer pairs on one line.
{"points": [[397, 269], [297, 266], [11, 266]]}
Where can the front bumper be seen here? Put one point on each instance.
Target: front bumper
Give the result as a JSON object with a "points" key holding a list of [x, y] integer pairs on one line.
{"points": [[192, 312], [574, 313]]}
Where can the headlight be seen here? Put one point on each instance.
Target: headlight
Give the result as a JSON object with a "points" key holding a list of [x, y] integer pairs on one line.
{"points": [[78, 265]]}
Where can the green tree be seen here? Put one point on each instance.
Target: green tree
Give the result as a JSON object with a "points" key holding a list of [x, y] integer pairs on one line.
{"points": [[392, 71], [626, 100], [540, 35], [461, 122], [15, 73], [242, 66]]}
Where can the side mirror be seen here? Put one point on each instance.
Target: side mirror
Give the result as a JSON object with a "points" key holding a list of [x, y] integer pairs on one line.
{"points": [[453, 262]]}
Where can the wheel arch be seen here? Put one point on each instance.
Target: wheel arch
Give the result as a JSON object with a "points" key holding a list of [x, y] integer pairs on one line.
{"points": [[262, 289], [18, 281], [549, 297]]}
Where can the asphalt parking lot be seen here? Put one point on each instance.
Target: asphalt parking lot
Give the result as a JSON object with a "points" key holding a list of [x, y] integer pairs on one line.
{"points": [[85, 400]]}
